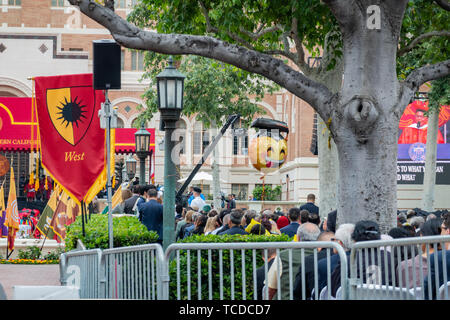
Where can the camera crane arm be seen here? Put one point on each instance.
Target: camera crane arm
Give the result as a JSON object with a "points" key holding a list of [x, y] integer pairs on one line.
{"points": [[231, 119]]}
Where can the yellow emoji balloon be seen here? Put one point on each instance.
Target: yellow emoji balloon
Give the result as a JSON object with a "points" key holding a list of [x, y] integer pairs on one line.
{"points": [[268, 149]]}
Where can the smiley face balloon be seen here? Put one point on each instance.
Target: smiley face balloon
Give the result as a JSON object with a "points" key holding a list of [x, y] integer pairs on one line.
{"points": [[268, 148]]}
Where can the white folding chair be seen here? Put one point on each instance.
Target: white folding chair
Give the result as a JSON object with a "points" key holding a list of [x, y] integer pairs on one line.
{"points": [[445, 286]]}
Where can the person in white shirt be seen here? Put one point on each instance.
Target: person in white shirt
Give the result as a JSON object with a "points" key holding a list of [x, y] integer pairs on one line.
{"points": [[198, 201]]}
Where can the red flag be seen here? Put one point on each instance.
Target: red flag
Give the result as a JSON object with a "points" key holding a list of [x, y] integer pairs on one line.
{"points": [[12, 213], [72, 143]]}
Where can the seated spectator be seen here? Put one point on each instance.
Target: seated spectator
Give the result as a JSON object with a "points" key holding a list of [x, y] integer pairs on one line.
{"points": [[438, 269], [200, 223], [309, 270], [401, 219], [190, 228], [182, 226], [258, 229], [365, 230], [234, 224], [331, 222], [213, 213], [431, 216], [206, 209], [261, 272], [305, 232], [343, 236], [411, 213], [270, 225], [414, 266], [247, 217], [417, 222], [178, 212], [211, 225], [314, 218], [282, 222], [225, 220], [294, 218]]}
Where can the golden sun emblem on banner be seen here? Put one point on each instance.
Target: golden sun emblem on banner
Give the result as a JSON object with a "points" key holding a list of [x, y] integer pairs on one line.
{"points": [[68, 113]]}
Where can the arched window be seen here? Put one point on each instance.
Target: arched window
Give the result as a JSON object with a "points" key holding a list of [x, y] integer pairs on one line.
{"points": [[201, 138], [240, 139], [120, 123]]}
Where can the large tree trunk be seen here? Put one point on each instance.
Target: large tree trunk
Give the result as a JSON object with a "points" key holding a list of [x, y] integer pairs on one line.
{"points": [[365, 124], [429, 179]]}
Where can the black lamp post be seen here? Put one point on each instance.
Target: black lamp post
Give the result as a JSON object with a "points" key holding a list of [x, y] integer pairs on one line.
{"points": [[142, 143], [130, 165], [170, 84]]}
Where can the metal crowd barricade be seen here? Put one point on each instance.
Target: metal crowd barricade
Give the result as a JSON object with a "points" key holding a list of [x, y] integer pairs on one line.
{"points": [[134, 272], [218, 271], [399, 269], [81, 269]]}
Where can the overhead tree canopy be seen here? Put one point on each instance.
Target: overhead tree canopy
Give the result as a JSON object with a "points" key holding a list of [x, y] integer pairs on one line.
{"points": [[271, 39]]}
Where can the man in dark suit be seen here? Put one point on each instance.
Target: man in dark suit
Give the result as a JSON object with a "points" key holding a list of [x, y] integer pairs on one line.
{"points": [[309, 205], [151, 214], [439, 268], [294, 218], [234, 223]]}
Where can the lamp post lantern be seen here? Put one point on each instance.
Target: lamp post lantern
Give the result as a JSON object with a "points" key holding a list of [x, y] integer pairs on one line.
{"points": [[170, 85], [130, 165], [142, 144]]}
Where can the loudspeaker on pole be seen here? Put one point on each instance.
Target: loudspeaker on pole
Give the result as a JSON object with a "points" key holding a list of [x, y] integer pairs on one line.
{"points": [[107, 64]]}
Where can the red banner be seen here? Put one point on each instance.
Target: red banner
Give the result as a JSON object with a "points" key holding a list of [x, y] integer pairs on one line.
{"points": [[72, 143], [16, 125]]}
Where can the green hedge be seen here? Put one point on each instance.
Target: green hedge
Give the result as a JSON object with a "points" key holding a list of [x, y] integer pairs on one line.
{"points": [[128, 231], [215, 268]]}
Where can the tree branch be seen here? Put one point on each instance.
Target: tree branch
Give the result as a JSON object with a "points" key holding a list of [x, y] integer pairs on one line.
{"points": [[427, 73], [420, 38], [443, 4], [129, 36]]}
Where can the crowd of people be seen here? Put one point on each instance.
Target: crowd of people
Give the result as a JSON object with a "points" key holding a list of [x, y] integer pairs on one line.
{"points": [[303, 224]]}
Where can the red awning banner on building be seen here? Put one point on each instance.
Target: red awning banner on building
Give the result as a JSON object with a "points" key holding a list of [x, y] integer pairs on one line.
{"points": [[125, 142], [16, 124]]}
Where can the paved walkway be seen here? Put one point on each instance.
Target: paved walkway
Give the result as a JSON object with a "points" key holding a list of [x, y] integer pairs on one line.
{"points": [[28, 275]]}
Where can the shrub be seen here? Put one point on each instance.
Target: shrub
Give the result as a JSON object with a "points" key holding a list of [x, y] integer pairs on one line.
{"points": [[269, 193], [215, 267], [31, 253], [127, 231]]}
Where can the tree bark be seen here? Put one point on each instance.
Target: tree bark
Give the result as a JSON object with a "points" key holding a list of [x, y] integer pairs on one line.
{"points": [[216, 176], [429, 179]]}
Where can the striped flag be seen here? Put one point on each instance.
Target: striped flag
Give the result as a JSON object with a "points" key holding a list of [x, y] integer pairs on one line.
{"points": [[3, 228], [12, 212], [43, 224]]}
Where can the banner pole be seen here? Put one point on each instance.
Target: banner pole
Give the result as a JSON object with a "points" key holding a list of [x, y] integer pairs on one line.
{"points": [[82, 219], [108, 166]]}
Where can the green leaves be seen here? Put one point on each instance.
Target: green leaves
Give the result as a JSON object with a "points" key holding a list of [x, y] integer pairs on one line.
{"points": [[267, 192], [128, 231], [213, 90], [422, 17], [227, 257]]}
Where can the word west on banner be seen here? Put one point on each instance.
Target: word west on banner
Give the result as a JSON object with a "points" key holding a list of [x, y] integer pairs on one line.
{"points": [[12, 213], [72, 144]]}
